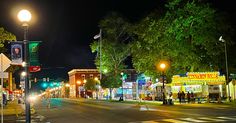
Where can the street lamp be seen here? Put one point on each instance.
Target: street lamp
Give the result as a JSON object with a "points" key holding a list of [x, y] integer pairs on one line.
{"points": [[163, 66], [100, 49], [25, 16], [79, 83], [122, 94], [226, 65], [97, 87]]}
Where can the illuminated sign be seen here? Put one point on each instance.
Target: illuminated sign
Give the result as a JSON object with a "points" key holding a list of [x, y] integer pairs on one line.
{"points": [[203, 75]]}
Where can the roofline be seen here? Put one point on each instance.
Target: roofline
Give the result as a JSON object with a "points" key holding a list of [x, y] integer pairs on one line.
{"points": [[82, 70]]}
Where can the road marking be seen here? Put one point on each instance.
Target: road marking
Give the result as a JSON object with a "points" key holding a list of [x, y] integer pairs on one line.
{"points": [[174, 121], [146, 108], [228, 118], [192, 120], [211, 119]]}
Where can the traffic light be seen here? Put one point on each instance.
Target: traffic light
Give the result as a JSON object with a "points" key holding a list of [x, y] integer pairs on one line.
{"points": [[44, 85]]}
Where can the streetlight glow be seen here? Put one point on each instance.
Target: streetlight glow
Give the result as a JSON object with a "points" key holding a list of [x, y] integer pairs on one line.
{"points": [[67, 85], [24, 16], [96, 79], [23, 64], [23, 74], [162, 66], [78, 82]]}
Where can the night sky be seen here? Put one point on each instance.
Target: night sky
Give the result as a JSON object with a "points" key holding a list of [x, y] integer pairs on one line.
{"points": [[66, 27]]}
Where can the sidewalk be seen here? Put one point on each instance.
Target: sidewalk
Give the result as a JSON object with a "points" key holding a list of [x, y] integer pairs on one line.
{"points": [[13, 108]]}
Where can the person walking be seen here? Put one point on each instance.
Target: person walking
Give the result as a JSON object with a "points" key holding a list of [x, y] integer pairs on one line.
{"points": [[179, 96], [188, 97], [183, 96], [192, 97]]}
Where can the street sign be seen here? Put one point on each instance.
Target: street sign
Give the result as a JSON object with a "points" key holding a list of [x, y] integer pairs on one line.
{"points": [[34, 68], [4, 62], [4, 75]]}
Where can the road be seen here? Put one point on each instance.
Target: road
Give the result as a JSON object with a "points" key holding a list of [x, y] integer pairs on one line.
{"points": [[91, 111]]}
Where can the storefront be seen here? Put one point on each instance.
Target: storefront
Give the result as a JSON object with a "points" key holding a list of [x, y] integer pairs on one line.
{"points": [[202, 84]]}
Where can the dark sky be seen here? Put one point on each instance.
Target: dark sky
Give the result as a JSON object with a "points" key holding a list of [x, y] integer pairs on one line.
{"points": [[66, 27]]}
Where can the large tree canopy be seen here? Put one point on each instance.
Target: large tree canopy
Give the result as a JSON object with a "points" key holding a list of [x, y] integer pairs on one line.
{"points": [[186, 36], [114, 48]]}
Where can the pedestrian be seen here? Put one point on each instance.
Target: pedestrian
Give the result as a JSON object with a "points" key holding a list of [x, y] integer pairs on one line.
{"points": [[179, 96], [192, 97], [4, 99], [170, 98], [183, 96], [188, 97]]}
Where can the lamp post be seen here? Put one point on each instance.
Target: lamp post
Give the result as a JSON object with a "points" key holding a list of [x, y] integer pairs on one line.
{"points": [[122, 94], [100, 49], [226, 65], [163, 66], [25, 16], [79, 83], [97, 87]]}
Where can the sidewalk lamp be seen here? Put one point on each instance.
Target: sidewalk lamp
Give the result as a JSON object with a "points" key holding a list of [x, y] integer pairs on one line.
{"points": [[25, 16], [96, 86], [79, 83], [226, 65], [163, 67]]}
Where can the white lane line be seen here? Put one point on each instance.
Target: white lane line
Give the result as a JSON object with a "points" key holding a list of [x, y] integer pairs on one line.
{"points": [[211, 119], [146, 108], [228, 118], [192, 120]]}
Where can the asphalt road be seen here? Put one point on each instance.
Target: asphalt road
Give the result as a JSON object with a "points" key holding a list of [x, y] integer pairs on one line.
{"points": [[90, 111]]}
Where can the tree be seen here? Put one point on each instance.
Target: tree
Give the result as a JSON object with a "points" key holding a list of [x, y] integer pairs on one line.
{"points": [[91, 84], [115, 48], [186, 36], [4, 37]]}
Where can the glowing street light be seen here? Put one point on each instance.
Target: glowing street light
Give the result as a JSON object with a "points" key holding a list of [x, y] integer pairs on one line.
{"points": [[23, 74], [97, 87], [78, 82], [163, 67], [67, 85], [25, 16]]}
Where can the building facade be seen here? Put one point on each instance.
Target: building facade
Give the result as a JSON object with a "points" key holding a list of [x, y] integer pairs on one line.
{"points": [[77, 79]]}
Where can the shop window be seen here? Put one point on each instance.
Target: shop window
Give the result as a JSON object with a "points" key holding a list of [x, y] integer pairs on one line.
{"points": [[83, 76], [91, 76]]}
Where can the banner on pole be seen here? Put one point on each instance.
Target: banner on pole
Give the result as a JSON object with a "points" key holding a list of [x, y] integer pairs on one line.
{"points": [[33, 56], [33, 53], [16, 53]]}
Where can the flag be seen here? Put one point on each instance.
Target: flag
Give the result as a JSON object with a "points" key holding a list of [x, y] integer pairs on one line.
{"points": [[16, 53]]}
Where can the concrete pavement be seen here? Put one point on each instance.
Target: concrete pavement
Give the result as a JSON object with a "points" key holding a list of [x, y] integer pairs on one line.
{"points": [[13, 108]]}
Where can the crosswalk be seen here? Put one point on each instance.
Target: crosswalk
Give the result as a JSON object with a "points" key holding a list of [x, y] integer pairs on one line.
{"points": [[34, 119], [192, 120]]}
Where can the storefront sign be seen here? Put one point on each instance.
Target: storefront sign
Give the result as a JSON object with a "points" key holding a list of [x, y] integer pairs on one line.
{"points": [[203, 75]]}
